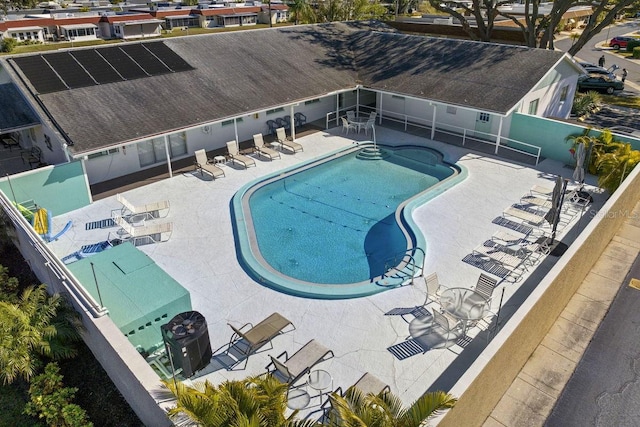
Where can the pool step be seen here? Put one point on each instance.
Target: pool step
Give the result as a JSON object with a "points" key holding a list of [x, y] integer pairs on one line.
{"points": [[372, 153]]}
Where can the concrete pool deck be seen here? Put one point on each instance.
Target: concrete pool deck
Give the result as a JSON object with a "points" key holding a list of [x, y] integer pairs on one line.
{"points": [[201, 256]]}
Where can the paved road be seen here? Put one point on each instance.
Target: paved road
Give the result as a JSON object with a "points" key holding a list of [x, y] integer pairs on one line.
{"points": [[591, 52], [604, 390]]}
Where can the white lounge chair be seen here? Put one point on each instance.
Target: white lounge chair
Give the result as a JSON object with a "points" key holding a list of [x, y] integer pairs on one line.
{"points": [[291, 369], [286, 142], [531, 218], [234, 153], [258, 141], [204, 164], [151, 233], [148, 210]]}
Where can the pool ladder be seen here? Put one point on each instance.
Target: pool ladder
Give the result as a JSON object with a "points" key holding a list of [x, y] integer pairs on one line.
{"points": [[404, 264]]}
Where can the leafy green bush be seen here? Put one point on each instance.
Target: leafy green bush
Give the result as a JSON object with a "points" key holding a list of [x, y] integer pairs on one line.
{"points": [[632, 44], [51, 401], [636, 52], [8, 44]]}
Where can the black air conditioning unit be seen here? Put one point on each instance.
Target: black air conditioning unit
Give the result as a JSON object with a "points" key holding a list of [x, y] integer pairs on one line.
{"points": [[186, 337]]}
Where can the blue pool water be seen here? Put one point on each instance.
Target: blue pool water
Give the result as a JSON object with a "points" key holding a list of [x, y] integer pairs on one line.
{"points": [[334, 223]]}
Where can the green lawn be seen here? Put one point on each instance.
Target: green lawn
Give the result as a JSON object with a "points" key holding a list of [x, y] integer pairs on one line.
{"points": [[622, 101], [12, 401]]}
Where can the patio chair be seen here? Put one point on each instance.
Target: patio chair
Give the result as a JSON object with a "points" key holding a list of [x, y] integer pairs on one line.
{"points": [[251, 340], [299, 119], [373, 115], [204, 164], [272, 125], [151, 233], [282, 123], [433, 288], [369, 125], [291, 369], [287, 121], [346, 126], [485, 287], [147, 210], [351, 115], [258, 142], [285, 141], [446, 324], [234, 153]]}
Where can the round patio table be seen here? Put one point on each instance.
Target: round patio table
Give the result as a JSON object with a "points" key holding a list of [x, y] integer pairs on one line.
{"points": [[464, 304]]}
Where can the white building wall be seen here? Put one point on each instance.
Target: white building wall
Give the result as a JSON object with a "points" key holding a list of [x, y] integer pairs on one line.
{"points": [[549, 92]]}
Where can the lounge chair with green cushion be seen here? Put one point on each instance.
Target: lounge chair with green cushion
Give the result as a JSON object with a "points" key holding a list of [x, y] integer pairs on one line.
{"points": [[250, 340]]}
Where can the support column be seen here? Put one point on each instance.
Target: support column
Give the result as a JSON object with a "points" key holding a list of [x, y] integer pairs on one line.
{"points": [[235, 130], [433, 123], [168, 152], [499, 134], [357, 102], [337, 109], [380, 108], [293, 125]]}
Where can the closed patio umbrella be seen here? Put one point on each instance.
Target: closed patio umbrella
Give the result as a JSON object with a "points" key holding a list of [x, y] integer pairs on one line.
{"points": [[578, 173]]}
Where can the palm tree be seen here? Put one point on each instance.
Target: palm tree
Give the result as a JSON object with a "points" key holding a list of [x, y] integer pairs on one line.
{"points": [[385, 410], [259, 401], [302, 12], [36, 325], [615, 165]]}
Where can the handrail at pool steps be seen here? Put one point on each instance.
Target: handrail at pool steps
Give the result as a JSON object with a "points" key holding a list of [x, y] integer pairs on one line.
{"points": [[395, 261]]}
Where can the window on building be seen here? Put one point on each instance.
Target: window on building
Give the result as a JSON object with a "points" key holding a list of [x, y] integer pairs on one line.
{"points": [[103, 153], [563, 93], [275, 110], [533, 107], [484, 117], [313, 101], [153, 151]]}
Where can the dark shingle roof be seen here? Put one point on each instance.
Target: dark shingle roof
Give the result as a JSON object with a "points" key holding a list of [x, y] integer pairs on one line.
{"points": [[484, 76], [15, 113], [244, 71]]}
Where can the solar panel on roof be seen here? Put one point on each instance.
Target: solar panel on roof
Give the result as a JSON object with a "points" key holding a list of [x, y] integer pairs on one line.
{"points": [[95, 64], [168, 56], [69, 70], [122, 63], [40, 74], [147, 60]]}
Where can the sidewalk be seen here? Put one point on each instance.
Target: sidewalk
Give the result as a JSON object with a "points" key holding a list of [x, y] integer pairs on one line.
{"points": [[534, 392]]}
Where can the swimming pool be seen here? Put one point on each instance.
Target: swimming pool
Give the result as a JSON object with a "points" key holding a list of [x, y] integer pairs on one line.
{"points": [[337, 227]]}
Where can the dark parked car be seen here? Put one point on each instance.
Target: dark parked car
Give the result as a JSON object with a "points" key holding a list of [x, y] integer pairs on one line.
{"points": [[599, 82], [595, 69], [621, 42]]}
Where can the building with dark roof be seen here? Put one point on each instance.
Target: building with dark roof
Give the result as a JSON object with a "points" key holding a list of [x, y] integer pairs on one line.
{"points": [[198, 92]]}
